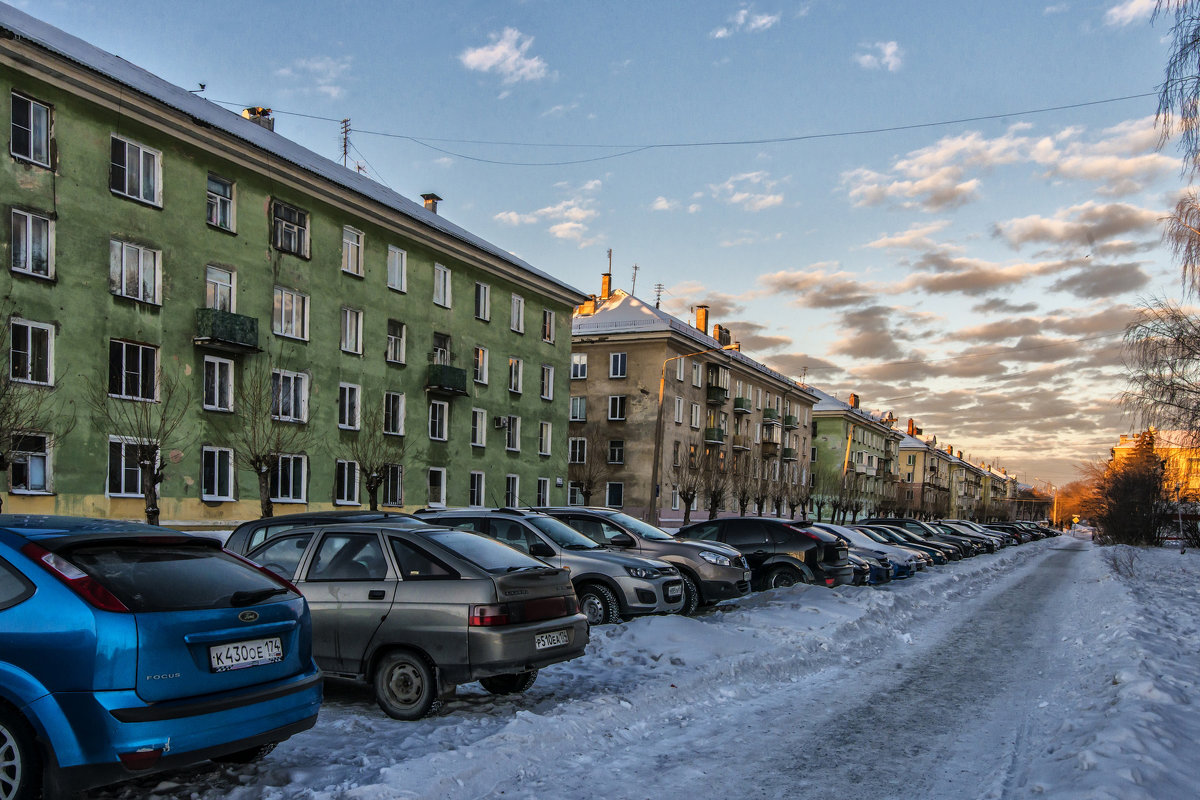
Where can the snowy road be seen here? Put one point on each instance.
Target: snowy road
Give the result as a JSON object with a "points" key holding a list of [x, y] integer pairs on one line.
{"points": [[990, 678]]}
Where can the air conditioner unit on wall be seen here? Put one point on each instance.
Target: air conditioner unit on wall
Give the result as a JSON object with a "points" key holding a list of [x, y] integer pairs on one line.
{"points": [[500, 422]]}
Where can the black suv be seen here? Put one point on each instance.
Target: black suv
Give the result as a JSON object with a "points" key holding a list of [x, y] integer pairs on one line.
{"points": [[780, 552]]}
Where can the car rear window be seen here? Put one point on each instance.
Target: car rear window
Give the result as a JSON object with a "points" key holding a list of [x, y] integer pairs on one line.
{"points": [[562, 534], [175, 577], [14, 587], [484, 552]]}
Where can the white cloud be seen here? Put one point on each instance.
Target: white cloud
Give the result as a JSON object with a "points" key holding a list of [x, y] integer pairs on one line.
{"points": [[915, 238], [320, 74], [1055, 9], [514, 218], [745, 21], [881, 55], [753, 191], [569, 215], [693, 208], [1129, 11], [444, 161], [663, 204], [559, 110], [506, 56]]}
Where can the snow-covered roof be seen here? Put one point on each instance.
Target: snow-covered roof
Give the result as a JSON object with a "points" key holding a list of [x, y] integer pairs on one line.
{"points": [[207, 113], [829, 403]]}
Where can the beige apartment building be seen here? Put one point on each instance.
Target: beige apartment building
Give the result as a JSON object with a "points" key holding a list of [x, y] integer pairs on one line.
{"points": [[668, 421]]}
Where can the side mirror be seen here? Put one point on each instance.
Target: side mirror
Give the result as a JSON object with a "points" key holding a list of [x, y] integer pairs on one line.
{"points": [[622, 540], [541, 550]]}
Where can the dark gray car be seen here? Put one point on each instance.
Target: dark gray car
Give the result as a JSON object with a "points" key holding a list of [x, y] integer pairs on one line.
{"points": [[418, 610], [710, 571]]}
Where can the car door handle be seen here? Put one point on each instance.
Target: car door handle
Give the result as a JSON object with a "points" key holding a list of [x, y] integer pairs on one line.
{"points": [[375, 594]]}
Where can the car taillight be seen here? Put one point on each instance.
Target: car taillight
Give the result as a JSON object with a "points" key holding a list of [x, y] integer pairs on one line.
{"points": [[75, 579], [526, 611], [487, 616], [272, 575]]}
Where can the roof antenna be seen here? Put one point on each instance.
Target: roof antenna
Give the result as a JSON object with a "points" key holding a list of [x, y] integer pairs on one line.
{"points": [[197, 91], [633, 289], [658, 290]]}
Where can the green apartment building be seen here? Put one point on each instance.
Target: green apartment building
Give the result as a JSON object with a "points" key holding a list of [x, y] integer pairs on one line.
{"points": [[172, 262], [854, 460]]}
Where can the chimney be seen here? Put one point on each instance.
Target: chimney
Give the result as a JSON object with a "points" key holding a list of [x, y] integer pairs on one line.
{"points": [[911, 427], [960, 455], [605, 286], [853, 400], [431, 201], [259, 116], [587, 307], [702, 318]]}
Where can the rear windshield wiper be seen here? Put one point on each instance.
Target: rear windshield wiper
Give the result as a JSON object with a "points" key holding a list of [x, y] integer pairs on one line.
{"points": [[239, 599]]}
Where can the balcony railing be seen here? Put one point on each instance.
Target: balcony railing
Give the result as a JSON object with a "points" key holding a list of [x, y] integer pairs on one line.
{"points": [[714, 436], [739, 441], [790, 454], [224, 330], [770, 416], [791, 421], [717, 395], [770, 449], [742, 405], [445, 379]]}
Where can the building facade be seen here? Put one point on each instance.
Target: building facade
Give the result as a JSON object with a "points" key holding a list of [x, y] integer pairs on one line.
{"points": [[303, 328], [667, 420], [854, 454]]}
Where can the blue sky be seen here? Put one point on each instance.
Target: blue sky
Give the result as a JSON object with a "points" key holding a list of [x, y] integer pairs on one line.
{"points": [[973, 276]]}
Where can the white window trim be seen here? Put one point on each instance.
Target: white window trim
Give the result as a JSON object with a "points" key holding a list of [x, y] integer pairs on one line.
{"points": [[227, 456], [612, 397], [277, 326], [516, 378], [157, 365], [294, 376], [232, 200], [486, 315], [232, 285], [482, 376], [444, 416], [352, 251], [217, 363], [27, 268], [582, 402], [479, 420], [548, 316], [385, 500], [353, 420], [613, 359], [547, 382], [303, 461], [582, 362], [512, 435], [403, 348], [45, 455], [354, 316], [355, 499], [117, 270], [545, 444], [442, 295], [608, 496], [679, 410], [49, 130], [49, 351], [397, 269], [577, 444], [512, 490], [543, 492], [303, 232], [158, 171], [482, 498], [440, 502], [403, 411], [126, 440], [517, 314]]}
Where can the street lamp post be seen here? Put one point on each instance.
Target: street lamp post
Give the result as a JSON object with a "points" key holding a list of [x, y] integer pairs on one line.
{"points": [[1179, 512], [658, 436]]}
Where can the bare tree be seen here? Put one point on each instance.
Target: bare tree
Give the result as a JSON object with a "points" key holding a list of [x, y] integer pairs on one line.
{"points": [[260, 437], [740, 480], [375, 451], [715, 478], [826, 482], [689, 480], [146, 427], [593, 472], [798, 493]]}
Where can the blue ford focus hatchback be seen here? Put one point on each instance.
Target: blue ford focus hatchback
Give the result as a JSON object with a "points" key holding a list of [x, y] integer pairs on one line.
{"points": [[127, 649]]}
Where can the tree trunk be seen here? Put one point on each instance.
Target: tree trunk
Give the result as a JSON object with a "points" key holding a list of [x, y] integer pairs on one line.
{"points": [[264, 493], [373, 493]]}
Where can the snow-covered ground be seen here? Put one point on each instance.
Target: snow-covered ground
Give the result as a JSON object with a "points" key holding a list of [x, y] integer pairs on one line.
{"points": [[1035, 671]]}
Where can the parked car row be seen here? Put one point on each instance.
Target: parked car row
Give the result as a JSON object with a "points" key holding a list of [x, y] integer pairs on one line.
{"points": [[127, 648]]}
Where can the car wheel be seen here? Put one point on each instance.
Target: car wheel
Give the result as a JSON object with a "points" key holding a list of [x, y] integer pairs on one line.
{"points": [[404, 685], [20, 774], [784, 577], [691, 596], [515, 683], [599, 604], [247, 756]]}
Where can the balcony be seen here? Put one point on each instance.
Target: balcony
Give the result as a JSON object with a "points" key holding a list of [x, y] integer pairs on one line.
{"points": [[224, 330], [717, 395], [445, 379], [790, 454], [739, 441], [770, 449], [742, 405], [791, 421], [714, 436], [770, 416]]}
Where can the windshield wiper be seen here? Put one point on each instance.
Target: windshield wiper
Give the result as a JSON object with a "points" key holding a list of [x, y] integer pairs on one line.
{"points": [[239, 599]]}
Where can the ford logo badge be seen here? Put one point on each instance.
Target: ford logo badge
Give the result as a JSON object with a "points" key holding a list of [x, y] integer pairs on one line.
{"points": [[248, 616]]}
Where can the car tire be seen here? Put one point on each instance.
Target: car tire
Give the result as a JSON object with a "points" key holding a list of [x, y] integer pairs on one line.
{"points": [[247, 756], [783, 577], [20, 768], [404, 685], [691, 596], [598, 604], [514, 683]]}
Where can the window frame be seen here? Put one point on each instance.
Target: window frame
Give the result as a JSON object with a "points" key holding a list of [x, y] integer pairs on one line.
{"points": [[118, 271], [396, 350], [619, 400], [442, 286], [225, 456], [30, 360], [346, 475], [440, 502], [542, 498], [214, 201], [618, 365], [349, 406], [579, 366], [512, 434], [352, 329], [580, 401], [483, 301], [220, 366], [395, 407], [547, 382], [476, 489], [577, 450], [142, 152], [284, 326], [393, 481], [517, 314], [18, 455], [548, 323], [616, 446], [397, 269], [283, 228], [27, 235], [608, 494], [516, 374], [441, 418], [545, 432], [213, 290], [479, 365], [512, 490], [353, 245], [479, 420], [276, 482], [141, 349], [126, 442], [279, 377], [30, 157]]}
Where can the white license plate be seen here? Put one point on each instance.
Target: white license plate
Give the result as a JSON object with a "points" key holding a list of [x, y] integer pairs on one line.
{"points": [[552, 639], [674, 592], [251, 653]]}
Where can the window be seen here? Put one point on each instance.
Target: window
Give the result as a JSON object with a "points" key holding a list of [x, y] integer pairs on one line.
{"points": [[578, 409], [516, 369], [396, 339], [441, 285], [393, 485], [216, 474], [476, 496], [696, 415], [547, 382], [132, 370], [617, 363], [679, 410], [441, 349], [574, 493], [483, 301], [289, 229], [680, 366], [517, 322], [124, 467], [614, 495], [218, 288], [220, 202], [616, 451], [31, 352], [30, 130], [512, 434], [437, 486], [352, 251], [674, 498], [290, 317], [218, 384], [393, 413], [912, 459], [352, 321], [543, 492], [348, 406], [32, 244], [345, 483], [616, 407], [288, 479], [544, 439], [133, 271], [547, 325], [577, 450], [512, 491], [289, 396], [135, 171], [29, 463], [397, 269], [697, 374], [438, 411], [578, 366], [481, 365], [675, 453], [478, 427]]}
